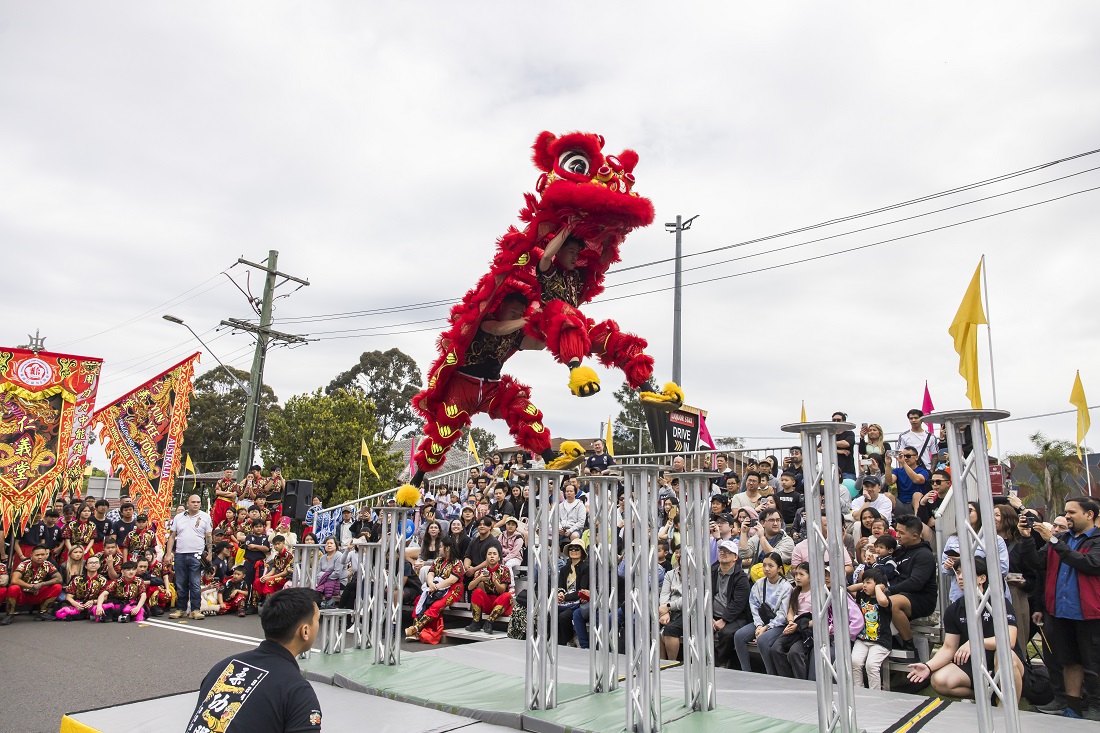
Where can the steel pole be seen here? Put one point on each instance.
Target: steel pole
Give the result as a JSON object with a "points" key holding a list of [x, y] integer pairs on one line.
{"points": [[643, 681], [387, 587], [603, 675], [1000, 682], [698, 646], [832, 652], [541, 659], [256, 377]]}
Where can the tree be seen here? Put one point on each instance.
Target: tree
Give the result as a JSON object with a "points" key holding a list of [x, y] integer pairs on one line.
{"points": [[216, 421], [631, 417], [1054, 468], [484, 441], [318, 437], [729, 443], [390, 379]]}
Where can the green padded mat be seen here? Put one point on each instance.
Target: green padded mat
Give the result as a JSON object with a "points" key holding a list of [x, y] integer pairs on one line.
{"points": [[607, 713], [449, 686]]}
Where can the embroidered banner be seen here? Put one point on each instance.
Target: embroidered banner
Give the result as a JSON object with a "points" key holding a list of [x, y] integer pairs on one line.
{"points": [[142, 432], [45, 414]]}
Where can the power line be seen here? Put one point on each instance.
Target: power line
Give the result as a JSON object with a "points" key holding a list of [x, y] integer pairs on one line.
{"points": [[851, 249], [844, 234]]}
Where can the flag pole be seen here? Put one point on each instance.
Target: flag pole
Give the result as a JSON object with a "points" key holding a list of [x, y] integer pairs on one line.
{"points": [[989, 340], [359, 491]]}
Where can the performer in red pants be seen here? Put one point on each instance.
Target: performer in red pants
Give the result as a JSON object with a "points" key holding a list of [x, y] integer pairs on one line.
{"points": [[490, 593], [35, 582], [444, 588], [278, 570], [477, 386], [225, 493]]}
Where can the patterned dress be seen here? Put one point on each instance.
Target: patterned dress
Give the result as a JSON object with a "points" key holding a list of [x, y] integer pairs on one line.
{"points": [[141, 541], [79, 533]]}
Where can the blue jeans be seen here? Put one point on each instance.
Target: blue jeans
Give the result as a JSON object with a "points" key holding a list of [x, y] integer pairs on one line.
{"points": [[188, 581], [764, 643]]}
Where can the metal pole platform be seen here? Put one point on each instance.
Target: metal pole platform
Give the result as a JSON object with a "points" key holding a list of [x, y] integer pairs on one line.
{"points": [[643, 676], [603, 674], [541, 671]]}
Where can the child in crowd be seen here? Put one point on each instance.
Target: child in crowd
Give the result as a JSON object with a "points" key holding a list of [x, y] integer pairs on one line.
{"points": [[110, 560], [143, 539], [234, 592], [511, 541], [872, 646], [126, 596], [278, 570], [256, 547], [786, 659], [228, 526], [157, 597], [238, 554], [884, 557], [787, 499], [867, 558]]}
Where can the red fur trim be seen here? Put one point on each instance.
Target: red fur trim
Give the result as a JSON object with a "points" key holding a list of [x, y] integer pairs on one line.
{"points": [[629, 159], [558, 321], [544, 157]]}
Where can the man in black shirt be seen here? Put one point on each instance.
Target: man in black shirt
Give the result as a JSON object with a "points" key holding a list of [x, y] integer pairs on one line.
{"points": [[123, 526], [263, 690], [102, 524], [363, 528], [479, 544], [43, 532], [600, 463], [500, 508], [845, 449], [256, 549]]}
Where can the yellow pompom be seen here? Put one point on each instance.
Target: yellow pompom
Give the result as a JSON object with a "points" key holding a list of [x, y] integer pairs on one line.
{"points": [[583, 381], [673, 391], [407, 496]]}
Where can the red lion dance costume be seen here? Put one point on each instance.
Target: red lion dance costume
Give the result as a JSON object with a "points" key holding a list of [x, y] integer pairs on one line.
{"points": [[584, 199]]}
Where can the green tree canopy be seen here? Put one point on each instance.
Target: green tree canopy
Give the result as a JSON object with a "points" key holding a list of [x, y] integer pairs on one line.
{"points": [[631, 417], [390, 379], [484, 441], [318, 437], [1055, 469], [216, 421]]}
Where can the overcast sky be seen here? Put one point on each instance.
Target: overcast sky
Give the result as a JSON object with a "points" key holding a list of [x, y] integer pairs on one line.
{"points": [[381, 148]]}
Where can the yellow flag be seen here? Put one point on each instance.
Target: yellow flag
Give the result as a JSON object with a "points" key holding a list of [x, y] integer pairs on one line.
{"points": [[803, 411], [609, 443], [473, 448], [88, 470], [187, 464], [1077, 399], [366, 454], [964, 329]]}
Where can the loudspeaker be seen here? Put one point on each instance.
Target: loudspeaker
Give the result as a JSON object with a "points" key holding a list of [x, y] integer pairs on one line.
{"points": [[298, 498]]}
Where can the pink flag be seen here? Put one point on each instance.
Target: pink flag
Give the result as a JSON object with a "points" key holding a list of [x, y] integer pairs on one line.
{"points": [[927, 406], [704, 434], [412, 456]]}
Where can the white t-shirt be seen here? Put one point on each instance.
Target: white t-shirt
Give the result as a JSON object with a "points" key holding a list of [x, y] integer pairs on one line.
{"points": [[191, 532], [882, 503], [909, 439]]}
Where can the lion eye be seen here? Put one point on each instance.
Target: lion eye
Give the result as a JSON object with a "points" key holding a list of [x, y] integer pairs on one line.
{"points": [[574, 161]]}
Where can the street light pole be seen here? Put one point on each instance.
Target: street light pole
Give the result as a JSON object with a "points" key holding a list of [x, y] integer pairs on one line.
{"points": [[172, 319], [677, 228]]}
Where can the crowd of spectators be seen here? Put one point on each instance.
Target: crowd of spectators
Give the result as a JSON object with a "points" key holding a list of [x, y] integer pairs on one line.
{"points": [[470, 545]]}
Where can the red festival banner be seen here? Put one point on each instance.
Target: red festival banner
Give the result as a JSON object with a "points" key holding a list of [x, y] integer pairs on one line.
{"points": [[142, 432], [45, 424]]}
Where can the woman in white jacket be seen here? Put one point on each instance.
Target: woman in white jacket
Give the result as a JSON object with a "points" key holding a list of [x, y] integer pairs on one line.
{"points": [[572, 515]]}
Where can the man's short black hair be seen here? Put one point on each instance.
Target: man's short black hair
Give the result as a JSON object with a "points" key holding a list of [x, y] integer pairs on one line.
{"points": [[258, 523], [128, 565], [875, 574], [514, 297], [915, 411], [112, 540], [910, 522], [888, 542], [125, 505], [768, 512], [285, 611], [102, 502], [255, 468], [485, 522], [53, 513], [278, 539], [1087, 504], [218, 547], [790, 474]]}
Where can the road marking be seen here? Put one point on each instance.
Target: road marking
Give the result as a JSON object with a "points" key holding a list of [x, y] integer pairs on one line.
{"points": [[209, 633], [918, 717]]}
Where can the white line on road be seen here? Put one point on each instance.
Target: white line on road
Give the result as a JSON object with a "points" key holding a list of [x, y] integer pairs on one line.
{"points": [[209, 633]]}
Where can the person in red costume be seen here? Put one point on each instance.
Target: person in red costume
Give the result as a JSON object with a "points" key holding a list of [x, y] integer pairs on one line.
{"points": [[478, 386]]}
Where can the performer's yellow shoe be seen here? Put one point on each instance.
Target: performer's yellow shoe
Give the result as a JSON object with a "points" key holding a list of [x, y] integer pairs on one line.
{"points": [[583, 381], [670, 399], [571, 454]]}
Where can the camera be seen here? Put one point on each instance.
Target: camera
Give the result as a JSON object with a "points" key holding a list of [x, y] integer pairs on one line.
{"points": [[1029, 521]]}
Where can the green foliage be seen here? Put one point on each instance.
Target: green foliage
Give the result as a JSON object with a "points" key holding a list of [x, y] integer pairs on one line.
{"points": [[630, 418], [1055, 469], [216, 422], [318, 437], [390, 379], [485, 442]]}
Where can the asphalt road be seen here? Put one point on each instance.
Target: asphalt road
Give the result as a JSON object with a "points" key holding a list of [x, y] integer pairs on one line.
{"points": [[52, 668]]}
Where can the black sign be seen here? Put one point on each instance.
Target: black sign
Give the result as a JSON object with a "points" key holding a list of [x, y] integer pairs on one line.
{"points": [[676, 431]]}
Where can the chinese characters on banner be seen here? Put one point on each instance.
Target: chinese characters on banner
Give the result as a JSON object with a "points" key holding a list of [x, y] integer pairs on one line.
{"points": [[45, 414], [142, 432]]}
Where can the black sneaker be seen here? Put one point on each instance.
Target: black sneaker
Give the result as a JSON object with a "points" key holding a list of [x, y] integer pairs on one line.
{"points": [[158, 611], [8, 619], [124, 618], [487, 627], [474, 626]]}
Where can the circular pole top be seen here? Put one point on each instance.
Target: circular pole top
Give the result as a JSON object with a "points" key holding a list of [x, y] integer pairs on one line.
{"points": [[696, 474], [816, 427], [965, 415]]}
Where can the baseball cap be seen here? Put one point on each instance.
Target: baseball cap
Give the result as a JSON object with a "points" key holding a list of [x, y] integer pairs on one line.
{"points": [[871, 480], [727, 545], [724, 517]]}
